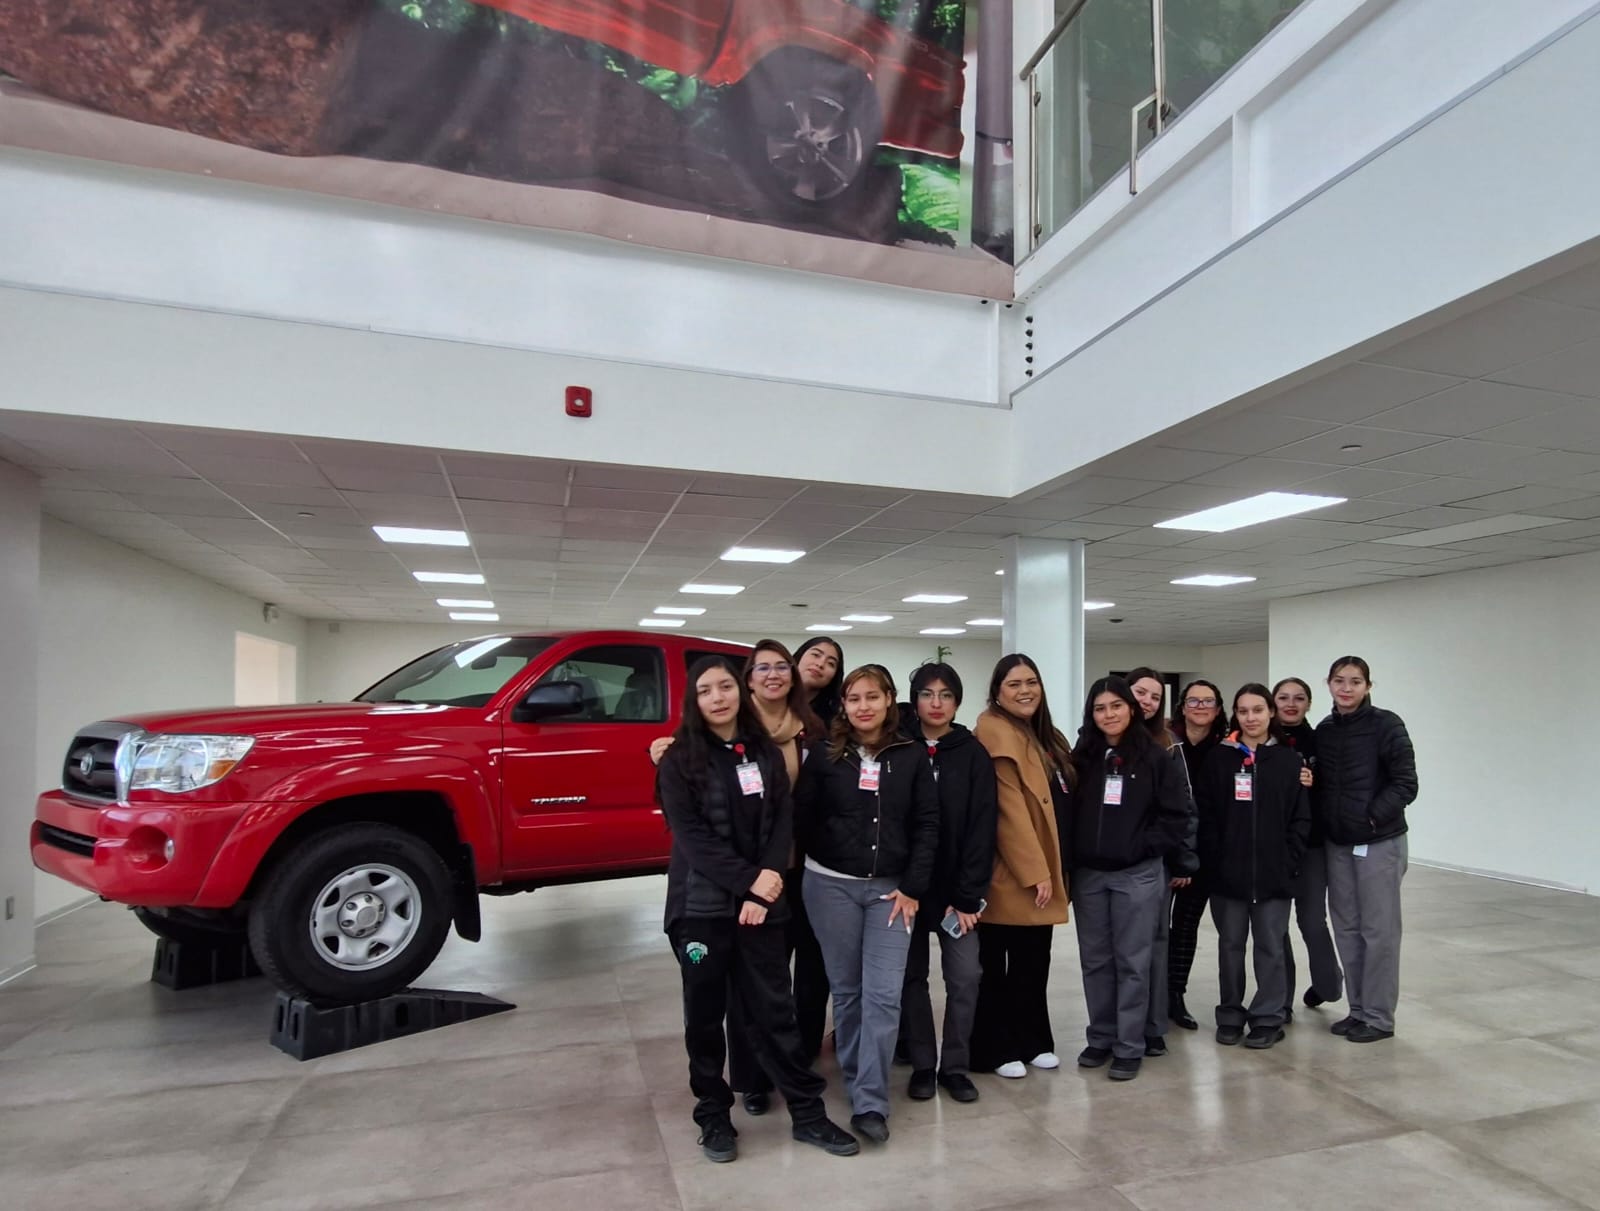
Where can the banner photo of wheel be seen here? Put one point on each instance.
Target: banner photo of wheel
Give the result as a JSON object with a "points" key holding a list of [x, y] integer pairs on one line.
{"points": [[837, 118]]}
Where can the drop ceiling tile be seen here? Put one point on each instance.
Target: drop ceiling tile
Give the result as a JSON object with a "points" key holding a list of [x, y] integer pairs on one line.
{"points": [[503, 466], [1372, 444], [1181, 499], [1099, 490], [1572, 429], [1531, 499], [1263, 475], [1245, 434], [1469, 409], [1579, 288], [200, 443], [1507, 333], [631, 479], [1089, 530], [744, 485], [1577, 510], [1455, 456], [278, 472], [529, 491], [368, 454], [1162, 463], [1575, 371], [1355, 392]]}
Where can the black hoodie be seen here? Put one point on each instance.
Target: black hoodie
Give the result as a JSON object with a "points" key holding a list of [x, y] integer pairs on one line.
{"points": [[963, 864], [1152, 820], [1302, 737]]}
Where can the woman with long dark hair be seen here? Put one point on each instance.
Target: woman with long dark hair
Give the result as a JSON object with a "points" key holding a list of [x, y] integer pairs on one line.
{"points": [[1255, 817], [725, 795], [819, 662], [1366, 777], [1199, 724], [1130, 815], [868, 815], [1028, 893]]}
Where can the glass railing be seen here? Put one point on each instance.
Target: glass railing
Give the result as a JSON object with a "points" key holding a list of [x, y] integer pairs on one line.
{"points": [[1113, 75]]}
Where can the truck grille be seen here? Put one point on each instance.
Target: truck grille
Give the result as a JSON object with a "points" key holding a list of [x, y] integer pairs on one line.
{"points": [[75, 843], [90, 769]]}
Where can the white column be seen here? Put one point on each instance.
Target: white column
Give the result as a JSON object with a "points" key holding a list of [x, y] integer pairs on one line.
{"points": [[19, 709], [1043, 610]]}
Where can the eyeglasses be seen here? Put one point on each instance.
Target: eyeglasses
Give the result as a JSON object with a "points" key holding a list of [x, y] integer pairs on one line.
{"points": [[1200, 704], [761, 670], [936, 696]]}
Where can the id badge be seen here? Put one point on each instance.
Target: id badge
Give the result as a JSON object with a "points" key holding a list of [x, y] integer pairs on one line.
{"points": [[869, 775], [1113, 790], [1243, 791], [750, 778], [1061, 781]]}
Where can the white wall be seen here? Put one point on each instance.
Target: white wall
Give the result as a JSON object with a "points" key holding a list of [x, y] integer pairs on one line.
{"points": [[19, 618], [120, 632], [1491, 671]]}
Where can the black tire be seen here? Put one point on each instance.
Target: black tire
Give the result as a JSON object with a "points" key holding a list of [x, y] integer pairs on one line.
{"points": [[384, 865], [193, 928], [795, 94]]}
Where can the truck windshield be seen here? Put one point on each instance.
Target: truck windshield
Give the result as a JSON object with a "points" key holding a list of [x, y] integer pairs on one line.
{"points": [[464, 674]]}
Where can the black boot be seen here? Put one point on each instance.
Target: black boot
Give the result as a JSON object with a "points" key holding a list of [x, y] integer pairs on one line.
{"points": [[1179, 1013]]}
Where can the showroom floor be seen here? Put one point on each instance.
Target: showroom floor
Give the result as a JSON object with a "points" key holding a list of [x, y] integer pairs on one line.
{"points": [[116, 1093]]}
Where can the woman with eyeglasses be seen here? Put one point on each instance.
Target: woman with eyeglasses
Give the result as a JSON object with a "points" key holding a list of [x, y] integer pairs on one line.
{"points": [[1130, 815], [1255, 817], [867, 811], [1028, 888], [1366, 777], [1291, 698], [725, 795], [1200, 728]]}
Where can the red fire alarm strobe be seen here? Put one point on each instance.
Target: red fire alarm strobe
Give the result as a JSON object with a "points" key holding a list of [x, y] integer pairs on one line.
{"points": [[580, 401]]}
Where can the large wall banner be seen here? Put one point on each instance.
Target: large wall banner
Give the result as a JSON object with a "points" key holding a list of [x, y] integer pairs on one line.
{"points": [[782, 120]]}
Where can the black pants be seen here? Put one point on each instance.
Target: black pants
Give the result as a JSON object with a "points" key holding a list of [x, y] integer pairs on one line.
{"points": [[714, 956], [1188, 910], [810, 998], [1013, 1017]]}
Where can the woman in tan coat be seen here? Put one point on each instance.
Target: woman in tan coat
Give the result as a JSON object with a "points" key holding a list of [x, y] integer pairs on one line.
{"points": [[1028, 896]]}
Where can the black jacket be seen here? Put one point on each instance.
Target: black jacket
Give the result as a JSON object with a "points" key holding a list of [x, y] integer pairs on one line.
{"points": [[890, 833], [1251, 849], [722, 838], [1151, 821], [1366, 775], [963, 863], [1303, 739]]}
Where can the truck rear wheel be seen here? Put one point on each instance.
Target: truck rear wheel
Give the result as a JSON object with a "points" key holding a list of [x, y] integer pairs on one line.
{"points": [[352, 914]]}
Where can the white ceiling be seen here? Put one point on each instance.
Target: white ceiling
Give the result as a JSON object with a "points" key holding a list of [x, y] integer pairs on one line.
{"points": [[1497, 412]]}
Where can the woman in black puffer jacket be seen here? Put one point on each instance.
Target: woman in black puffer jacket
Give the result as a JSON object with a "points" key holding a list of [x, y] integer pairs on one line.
{"points": [[1366, 777]]}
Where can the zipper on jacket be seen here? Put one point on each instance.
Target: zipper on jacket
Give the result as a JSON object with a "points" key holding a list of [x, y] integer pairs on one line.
{"points": [[1255, 770]]}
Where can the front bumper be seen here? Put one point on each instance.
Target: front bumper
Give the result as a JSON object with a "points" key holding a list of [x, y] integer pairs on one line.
{"points": [[119, 851]]}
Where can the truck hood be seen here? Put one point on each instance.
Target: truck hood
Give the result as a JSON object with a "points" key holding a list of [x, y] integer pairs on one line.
{"points": [[263, 721]]}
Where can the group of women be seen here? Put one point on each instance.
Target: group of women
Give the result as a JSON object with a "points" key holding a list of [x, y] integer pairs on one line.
{"points": [[818, 819]]}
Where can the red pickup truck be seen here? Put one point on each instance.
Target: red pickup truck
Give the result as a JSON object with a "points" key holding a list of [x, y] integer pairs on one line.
{"points": [[821, 82], [345, 838]]}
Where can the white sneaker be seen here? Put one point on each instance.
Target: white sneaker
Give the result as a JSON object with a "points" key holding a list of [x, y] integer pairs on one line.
{"points": [[1045, 1059], [1012, 1070]]}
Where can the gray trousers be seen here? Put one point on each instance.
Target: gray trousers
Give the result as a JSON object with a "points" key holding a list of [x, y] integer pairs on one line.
{"points": [[1311, 915], [866, 962], [1116, 914], [959, 959], [1155, 1023], [1364, 902], [1236, 921]]}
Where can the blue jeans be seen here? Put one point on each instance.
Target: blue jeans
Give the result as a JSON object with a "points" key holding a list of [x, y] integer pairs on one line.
{"points": [[866, 961]]}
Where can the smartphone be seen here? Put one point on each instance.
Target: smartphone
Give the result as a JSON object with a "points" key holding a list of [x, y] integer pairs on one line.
{"points": [[952, 923]]}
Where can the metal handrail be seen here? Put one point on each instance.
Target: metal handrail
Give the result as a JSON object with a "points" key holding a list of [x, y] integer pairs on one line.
{"points": [[1051, 39]]}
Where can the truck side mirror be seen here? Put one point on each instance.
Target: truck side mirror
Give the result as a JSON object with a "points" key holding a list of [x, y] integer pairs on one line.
{"points": [[551, 700]]}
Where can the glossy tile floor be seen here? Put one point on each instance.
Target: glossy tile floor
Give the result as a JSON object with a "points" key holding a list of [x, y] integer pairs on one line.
{"points": [[116, 1093]]}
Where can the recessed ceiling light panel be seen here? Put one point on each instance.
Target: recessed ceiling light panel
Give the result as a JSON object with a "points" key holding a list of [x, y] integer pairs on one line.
{"points": [[464, 603], [665, 623], [866, 617], [686, 611], [473, 616], [829, 626], [943, 631], [1098, 605], [934, 598], [986, 622], [760, 555], [449, 577], [713, 590], [430, 538], [1252, 511], [1212, 580]]}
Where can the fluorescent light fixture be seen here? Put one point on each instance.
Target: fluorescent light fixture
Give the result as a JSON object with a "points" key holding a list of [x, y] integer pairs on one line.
{"points": [[449, 577], [714, 590], [828, 626], [865, 617], [986, 622], [943, 631], [686, 611], [1098, 605], [431, 538], [1465, 531], [464, 603], [934, 598], [1251, 511], [1212, 580], [661, 622], [473, 616], [760, 555], [999, 571]]}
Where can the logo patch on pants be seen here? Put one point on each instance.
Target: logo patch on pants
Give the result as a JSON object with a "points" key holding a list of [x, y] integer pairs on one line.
{"points": [[696, 951]]}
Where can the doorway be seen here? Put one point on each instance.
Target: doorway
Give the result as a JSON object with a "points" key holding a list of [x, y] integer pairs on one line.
{"points": [[263, 671]]}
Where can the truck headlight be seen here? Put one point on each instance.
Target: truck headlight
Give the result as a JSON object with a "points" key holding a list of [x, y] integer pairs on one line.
{"points": [[186, 763]]}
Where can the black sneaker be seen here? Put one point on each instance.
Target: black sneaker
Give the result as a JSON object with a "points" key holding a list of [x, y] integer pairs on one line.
{"points": [[923, 1085], [872, 1125], [827, 1135], [959, 1086], [1229, 1036], [1312, 1000], [1093, 1057], [1154, 1044], [1366, 1032], [1288, 1017], [1262, 1037], [1179, 1013], [757, 1104], [1344, 1025], [1125, 1070], [719, 1141]]}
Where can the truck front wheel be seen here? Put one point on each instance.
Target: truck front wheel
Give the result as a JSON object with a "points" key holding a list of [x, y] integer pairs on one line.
{"points": [[352, 914]]}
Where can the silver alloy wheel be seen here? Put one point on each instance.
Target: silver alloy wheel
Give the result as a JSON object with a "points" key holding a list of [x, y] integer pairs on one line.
{"points": [[365, 916], [817, 152]]}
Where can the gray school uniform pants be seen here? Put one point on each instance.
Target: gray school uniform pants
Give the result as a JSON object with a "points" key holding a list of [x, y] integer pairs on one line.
{"points": [[1155, 1024], [1311, 915], [1364, 903], [1116, 915], [1236, 921]]}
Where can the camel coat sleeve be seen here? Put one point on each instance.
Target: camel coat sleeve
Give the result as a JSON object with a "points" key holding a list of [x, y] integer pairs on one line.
{"points": [[1027, 848]]}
